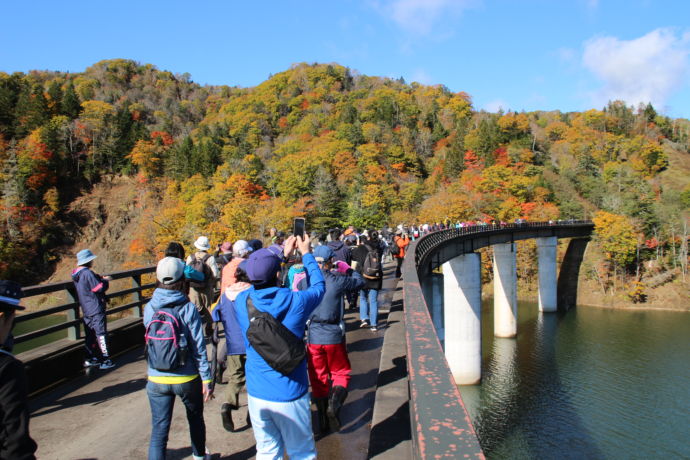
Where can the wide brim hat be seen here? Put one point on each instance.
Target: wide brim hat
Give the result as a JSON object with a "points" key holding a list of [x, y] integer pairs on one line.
{"points": [[202, 243], [85, 256], [10, 293]]}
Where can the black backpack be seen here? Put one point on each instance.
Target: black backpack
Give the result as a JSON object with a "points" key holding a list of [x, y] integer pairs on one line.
{"points": [[166, 345], [275, 343], [200, 266], [395, 249], [372, 269]]}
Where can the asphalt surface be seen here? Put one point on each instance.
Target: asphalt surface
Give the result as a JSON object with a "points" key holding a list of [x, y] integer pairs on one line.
{"points": [[107, 415]]}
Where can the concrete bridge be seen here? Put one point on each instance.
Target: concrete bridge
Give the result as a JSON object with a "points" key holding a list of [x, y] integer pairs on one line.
{"points": [[404, 401]]}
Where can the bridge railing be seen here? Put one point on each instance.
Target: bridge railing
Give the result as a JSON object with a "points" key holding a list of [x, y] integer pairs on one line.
{"points": [[71, 307], [441, 426]]}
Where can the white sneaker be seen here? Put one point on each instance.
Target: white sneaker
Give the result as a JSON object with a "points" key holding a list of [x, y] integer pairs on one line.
{"points": [[207, 456]]}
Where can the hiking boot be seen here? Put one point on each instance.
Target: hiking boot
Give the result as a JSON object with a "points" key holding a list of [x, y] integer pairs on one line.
{"points": [[335, 403], [364, 323], [322, 411], [107, 364], [226, 417]]}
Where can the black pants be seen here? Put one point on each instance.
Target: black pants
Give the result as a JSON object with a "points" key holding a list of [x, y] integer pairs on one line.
{"points": [[95, 329], [398, 271]]}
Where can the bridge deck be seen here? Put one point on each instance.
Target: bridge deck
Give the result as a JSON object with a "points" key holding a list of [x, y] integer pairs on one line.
{"points": [[108, 417]]}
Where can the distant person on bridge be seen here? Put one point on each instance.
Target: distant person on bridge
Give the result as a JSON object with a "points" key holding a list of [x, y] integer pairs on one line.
{"points": [[278, 403], [367, 260], [91, 289], [401, 241], [15, 442], [201, 292], [188, 376], [329, 366]]}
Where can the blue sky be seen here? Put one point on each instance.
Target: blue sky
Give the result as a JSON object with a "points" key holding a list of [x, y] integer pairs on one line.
{"points": [[512, 54]]}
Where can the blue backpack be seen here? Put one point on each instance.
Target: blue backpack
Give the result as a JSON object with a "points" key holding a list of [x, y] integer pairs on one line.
{"points": [[166, 344]]}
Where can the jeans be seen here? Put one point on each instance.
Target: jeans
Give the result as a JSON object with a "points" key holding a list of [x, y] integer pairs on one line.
{"points": [[369, 305], [162, 398], [282, 427]]}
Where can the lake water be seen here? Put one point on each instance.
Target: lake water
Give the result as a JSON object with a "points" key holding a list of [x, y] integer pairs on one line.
{"points": [[591, 383]]}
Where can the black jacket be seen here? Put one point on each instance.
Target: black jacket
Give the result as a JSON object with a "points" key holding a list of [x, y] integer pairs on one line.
{"points": [[359, 255], [15, 442]]}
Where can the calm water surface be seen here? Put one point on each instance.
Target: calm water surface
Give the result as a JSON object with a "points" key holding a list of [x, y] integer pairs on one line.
{"points": [[591, 383]]}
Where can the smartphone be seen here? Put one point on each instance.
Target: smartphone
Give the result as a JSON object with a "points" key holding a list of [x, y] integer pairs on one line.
{"points": [[298, 227]]}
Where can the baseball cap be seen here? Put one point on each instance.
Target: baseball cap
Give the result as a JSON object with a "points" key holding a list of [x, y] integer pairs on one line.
{"points": [[323, 253], [169, 270], [262, 266], [10, 293]]}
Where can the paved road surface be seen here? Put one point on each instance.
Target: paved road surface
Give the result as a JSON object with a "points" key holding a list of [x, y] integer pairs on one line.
{"points": [[107, 416]]}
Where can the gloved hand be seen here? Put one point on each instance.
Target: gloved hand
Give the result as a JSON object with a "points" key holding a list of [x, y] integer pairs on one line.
{"points": [[342, 267]]}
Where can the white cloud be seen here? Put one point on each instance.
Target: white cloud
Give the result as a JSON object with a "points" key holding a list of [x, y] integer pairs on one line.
{"points": [[646, 69], [421, 17]]}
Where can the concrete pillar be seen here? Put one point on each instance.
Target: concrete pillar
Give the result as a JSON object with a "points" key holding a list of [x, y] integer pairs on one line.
{"points": [[432, 288], [505, 290], [546, 251], [462, 290]]}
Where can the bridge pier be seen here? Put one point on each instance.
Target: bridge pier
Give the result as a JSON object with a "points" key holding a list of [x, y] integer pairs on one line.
{"points": [[505, 290], [570, 272], [546, 252], [462, 289]]}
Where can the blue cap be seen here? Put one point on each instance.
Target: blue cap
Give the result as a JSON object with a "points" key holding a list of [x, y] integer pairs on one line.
{"points": [[85, 256], [323, 253], [262, 266]]}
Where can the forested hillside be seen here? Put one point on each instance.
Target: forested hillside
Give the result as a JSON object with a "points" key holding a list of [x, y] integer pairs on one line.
{"points": [[324, 142]]}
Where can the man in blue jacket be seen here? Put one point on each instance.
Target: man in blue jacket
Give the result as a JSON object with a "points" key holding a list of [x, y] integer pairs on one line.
{"points": [[279, 404], [91, 289], [329, 366]]}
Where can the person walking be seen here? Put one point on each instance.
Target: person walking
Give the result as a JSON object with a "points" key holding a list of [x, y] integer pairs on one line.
{"points": [[328, 363], [15, 441], [201, 292], [91, 288], [189, 377], [367, 261], [402, 241], [236, 354], [278, 403]]}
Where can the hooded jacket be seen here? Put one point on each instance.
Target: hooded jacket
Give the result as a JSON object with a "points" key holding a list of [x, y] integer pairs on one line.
{"points": [[90, 290], [342, 251], [326, 325], [293, 310], [197, 361], [15, 442]]}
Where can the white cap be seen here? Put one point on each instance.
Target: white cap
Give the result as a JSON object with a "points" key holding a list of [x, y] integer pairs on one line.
{"points": [[202, 243], [241, 248], [169, 270]]}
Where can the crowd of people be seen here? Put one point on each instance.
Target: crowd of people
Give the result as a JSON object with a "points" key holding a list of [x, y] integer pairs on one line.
{"points": [[303, 283]]}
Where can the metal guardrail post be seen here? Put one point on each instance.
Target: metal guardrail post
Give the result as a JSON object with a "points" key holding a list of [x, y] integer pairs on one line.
{"points": [[136, 296], [73, 332]]}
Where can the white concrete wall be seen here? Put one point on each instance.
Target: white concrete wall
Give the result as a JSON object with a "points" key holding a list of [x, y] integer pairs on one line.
{"points": [[462, 289]]}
